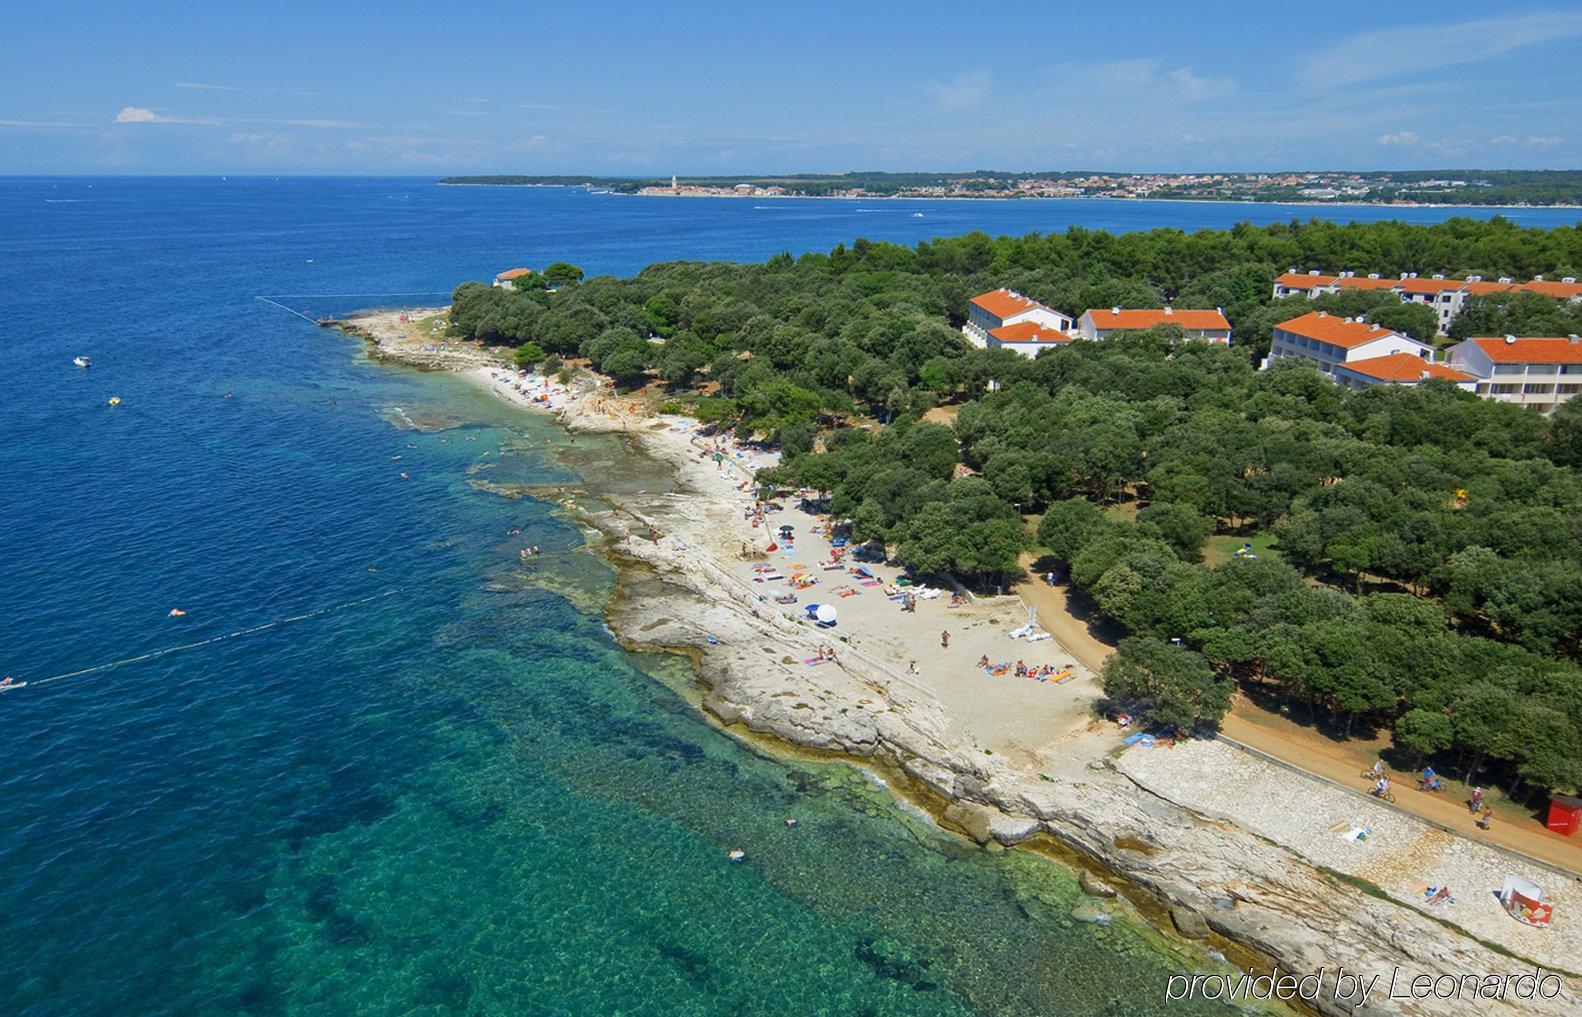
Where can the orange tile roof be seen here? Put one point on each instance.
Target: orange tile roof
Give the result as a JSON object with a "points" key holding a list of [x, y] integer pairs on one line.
{"points": [[1106, 319], [514, 273], [1356, 282], [1303, 281], [1342, 332], [1479, 288], [1402, 367], [1002, 303], [1551, 288], [1531, 351], [1029, 332], [1420, 285]]}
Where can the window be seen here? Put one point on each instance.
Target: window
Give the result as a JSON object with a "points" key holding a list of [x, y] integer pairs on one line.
{"points": [[1571, 368], [1503, 389], [1538, 389], [1509, 368], [1567, 389]]}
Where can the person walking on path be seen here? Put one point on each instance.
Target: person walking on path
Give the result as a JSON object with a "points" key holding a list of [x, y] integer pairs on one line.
{"points": [[1476, 801], [944, 640], [1485, 820]]}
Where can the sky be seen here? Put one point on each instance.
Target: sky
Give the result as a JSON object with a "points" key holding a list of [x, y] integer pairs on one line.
{"points": [[349, 87]]}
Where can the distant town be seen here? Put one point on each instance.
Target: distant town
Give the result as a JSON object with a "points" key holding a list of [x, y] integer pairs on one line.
{"points": [[1416, 187]]}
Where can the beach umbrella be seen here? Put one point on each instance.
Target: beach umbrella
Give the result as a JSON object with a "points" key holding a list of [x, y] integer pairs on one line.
{"points": [[825, 614]]}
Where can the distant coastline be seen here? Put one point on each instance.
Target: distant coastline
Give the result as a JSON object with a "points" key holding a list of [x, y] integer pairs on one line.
{"points": [[1309, 203], [1487, 189]]}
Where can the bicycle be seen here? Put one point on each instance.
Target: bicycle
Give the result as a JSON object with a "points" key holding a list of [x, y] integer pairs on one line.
{"points": [[1387, 796]]}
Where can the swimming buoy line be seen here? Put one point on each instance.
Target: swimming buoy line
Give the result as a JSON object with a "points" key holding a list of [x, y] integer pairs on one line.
{"points": [[215, 639]]}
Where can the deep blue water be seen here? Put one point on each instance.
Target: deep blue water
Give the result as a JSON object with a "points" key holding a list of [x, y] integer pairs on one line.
{"points": [[445, 789]]}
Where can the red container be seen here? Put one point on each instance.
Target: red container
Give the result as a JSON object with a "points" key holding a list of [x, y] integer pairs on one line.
{"points": [[1565, 814]]}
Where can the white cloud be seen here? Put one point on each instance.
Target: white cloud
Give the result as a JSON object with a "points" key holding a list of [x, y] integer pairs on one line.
{"points": [[36, 123], [1399, 138], [204, 87], [965, 91], [1549, 141], [1401, 52], [144, 115], [1149, 76]]}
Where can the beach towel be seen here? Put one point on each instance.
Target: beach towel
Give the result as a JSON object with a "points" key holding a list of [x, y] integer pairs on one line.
{"points": [[1145, 740], [873, 582], [848, 593], [1067, 678], [1038, 637]]}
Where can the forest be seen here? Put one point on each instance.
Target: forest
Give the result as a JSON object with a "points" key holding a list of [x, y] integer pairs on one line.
{"points": [[1421, 549]]}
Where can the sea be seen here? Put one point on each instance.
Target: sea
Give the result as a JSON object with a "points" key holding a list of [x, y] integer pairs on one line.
{"points": [[376, 764]]}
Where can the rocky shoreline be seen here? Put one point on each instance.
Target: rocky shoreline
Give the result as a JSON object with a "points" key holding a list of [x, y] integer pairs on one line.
{"points": [[1212, 877]]}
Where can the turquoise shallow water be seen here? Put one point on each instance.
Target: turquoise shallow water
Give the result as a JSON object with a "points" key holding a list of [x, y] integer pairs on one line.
{"points": [[459, 796]]}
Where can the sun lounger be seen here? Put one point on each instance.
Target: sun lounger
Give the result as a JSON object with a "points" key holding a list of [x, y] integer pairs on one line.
{"points": [[927, 594], [1038, 637]]}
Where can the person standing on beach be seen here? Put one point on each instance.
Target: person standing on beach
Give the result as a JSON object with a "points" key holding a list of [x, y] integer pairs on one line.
{"points": [[944, 640]]}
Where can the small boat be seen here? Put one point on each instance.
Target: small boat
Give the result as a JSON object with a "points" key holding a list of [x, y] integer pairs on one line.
{"points": [[917, 215], [114, 401], [9, 684], [81, 361]]}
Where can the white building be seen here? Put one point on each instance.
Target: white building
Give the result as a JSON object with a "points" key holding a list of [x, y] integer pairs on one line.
{"points": [[507, 280], [1028, 338], [1398, 369], [1540, 373], [1444, 295], [999, 308], [1329, 341], [1100, 323]]}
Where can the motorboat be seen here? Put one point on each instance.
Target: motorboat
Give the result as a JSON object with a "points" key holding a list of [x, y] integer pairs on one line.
{"points": [[81, 361]]}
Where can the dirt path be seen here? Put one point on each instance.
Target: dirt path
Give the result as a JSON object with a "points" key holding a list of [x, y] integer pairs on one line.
{"points": [[1056, 618], [1310, 750], [1342, 762]]}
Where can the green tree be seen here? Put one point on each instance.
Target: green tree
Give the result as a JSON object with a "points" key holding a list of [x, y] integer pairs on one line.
{"points": [[562, 273], [1168, 685]]}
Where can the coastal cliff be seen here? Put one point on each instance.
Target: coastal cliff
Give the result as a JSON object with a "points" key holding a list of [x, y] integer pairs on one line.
{"points": [[1211, 876], [1208, 876]]}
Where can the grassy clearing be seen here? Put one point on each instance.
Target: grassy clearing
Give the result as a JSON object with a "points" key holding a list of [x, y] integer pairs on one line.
{"points": [[1222, 548]]}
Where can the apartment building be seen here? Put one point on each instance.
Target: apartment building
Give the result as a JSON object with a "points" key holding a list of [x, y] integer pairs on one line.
{"points": [[996, 309], [1101, 324], [1539, 373], [1331, 342], [1398, 369], [1445, 296], [1028, 338]]}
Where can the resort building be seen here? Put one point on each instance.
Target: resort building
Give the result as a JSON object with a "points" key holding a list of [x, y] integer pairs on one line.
{"points": [[507, 280], [1445, 295], [1330, 342], [1027, 338], [1540, 373], [999, 308], [1100, 324], [1398, 369]]}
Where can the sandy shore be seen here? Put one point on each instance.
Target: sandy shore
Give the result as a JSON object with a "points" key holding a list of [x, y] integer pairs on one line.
{"points": [[1227, 848]]}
